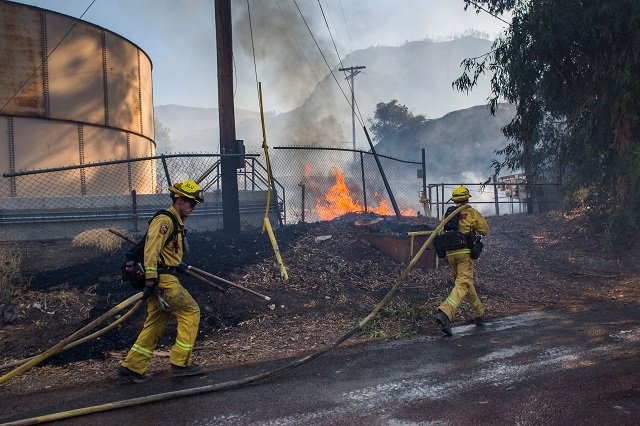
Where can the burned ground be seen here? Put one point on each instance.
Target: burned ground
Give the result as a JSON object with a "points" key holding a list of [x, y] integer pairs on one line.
{"points": [[530, 262]]}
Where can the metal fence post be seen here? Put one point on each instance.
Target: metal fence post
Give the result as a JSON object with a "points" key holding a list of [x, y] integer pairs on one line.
{"points": [[364, 187], [495, 195], [253, 174], [424, 172], [134, 205], [431, 202], [301, 184], [166, 170]]}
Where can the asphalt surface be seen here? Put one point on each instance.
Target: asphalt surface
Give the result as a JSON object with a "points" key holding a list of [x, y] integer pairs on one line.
{"points": [[579, 365]]}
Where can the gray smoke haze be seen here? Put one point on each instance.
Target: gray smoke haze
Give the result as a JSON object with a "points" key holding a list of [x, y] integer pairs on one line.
{"points": [[287, 59], [289, 64]]}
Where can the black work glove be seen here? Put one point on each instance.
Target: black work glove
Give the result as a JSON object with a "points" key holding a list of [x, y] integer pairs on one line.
{"points": [[149, 285], [183, 267]]}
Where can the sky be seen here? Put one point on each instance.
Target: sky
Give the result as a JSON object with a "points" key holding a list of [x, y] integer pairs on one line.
{"points": [[179, 37]]}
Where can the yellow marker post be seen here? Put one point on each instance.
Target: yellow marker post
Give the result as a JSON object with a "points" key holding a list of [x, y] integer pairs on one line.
{"points": [[267, 224]]}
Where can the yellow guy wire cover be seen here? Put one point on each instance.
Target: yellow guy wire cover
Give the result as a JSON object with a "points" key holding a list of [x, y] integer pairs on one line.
{"points": [[267, 224]]}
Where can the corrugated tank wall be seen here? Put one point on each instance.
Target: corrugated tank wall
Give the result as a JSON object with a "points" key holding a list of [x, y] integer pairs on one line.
{"points": [[72, 93]]}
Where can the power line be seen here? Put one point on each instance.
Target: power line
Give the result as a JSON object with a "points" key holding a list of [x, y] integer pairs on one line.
{"points": [[344, 18], [297, 42], [350, 78], [321, 53], [330, 35], [47, 57], [253, 49]]}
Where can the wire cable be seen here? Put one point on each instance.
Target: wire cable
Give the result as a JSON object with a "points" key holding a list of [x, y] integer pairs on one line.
{"points": [[331, 36], [349, 80], [324, 57], [253, 49], [48, 55], [297, 42], [344, 18]]}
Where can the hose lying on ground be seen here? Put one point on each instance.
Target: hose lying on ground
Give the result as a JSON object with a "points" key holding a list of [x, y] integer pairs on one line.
{"points": [[78, 342], [251, 379], [72, 338], [94, 234]]}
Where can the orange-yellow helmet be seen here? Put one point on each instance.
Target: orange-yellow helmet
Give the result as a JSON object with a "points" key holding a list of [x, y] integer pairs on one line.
{"points": [[188, 189], [460, 194]]}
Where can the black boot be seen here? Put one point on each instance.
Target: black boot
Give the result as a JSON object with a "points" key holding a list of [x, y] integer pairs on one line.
{"points": [[443, 321], [129, 376], [189, 370]]}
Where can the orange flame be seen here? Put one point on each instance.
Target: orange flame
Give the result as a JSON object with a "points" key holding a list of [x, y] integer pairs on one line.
{"points": [[338, 201]]}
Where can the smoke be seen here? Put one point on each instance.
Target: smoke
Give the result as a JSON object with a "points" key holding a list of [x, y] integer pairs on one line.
{"points": [[287, 59], [291, 68]]}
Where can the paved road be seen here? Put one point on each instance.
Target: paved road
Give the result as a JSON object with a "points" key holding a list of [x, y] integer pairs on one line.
{"points": [[573, 366]]}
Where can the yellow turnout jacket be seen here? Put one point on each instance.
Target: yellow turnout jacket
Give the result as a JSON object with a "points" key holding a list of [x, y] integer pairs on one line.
{"points": [[155, 250], [470, 220]]}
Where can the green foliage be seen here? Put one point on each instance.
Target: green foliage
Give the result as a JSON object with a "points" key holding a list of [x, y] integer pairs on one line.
{"points": [[162, 138], [402, 316], [394, 122], [571, 68]]}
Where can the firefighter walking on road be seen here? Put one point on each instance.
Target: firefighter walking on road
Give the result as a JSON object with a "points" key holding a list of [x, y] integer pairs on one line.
{"points": [[163, 252], [460, 257]]}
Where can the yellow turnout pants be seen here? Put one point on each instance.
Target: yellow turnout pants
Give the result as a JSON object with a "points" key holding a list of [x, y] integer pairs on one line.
{"points": [[187, 314], [462, 268]]}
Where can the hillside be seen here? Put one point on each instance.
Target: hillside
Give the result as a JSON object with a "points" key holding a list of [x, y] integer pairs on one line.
{"points": [[460, 143], [418, 74]]}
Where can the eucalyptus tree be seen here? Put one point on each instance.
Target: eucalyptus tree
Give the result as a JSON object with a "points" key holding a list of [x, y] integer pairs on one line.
{"points": [[572, 69]]}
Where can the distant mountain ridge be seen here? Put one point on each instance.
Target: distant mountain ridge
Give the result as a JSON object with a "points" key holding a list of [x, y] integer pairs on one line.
{"points": [[418, 74], [462, 143]]}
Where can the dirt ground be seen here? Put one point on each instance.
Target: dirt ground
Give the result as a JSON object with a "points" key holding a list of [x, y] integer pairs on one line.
{"points": [[530, 262]]}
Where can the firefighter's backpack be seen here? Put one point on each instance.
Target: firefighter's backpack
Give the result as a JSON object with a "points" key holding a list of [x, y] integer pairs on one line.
{"points": [[451, 238], [133, 266]]}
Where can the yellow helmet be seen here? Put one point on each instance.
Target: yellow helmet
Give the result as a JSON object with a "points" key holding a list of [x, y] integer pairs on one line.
{"points": [[188, 189], [460, 194]]}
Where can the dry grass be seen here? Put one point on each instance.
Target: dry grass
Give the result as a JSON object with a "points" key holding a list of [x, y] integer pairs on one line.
{"points": [[99, 238], [10, 263]]}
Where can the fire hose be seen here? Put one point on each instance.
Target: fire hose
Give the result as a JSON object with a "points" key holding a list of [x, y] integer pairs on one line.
{"points": [[70, 341], [84, 339], [251, 379], [62, 345]]}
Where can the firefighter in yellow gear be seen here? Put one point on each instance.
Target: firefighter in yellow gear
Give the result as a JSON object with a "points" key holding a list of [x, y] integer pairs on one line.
{"points": [[461, 265], [166, 296]]}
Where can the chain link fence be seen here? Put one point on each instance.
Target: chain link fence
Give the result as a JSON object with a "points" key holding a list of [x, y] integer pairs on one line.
{"points": [[106, 183], [64, 201], [499, 197], [309, 184], [322, 183]]}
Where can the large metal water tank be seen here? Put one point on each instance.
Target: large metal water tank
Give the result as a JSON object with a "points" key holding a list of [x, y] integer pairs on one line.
{"points": [[71, 93]]}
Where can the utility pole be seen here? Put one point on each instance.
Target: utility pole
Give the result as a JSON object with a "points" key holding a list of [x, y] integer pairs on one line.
{"points": [[226, 115], [353, 71]]}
